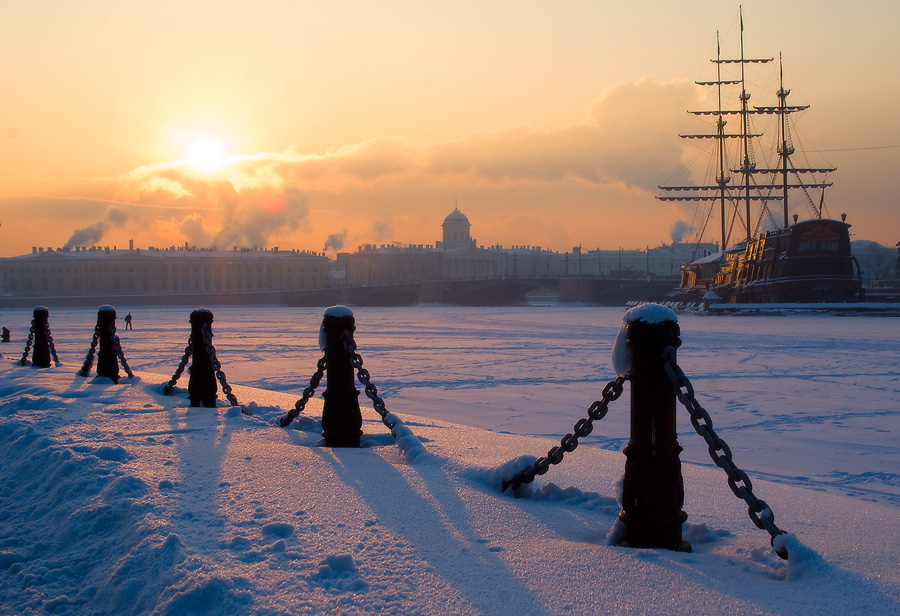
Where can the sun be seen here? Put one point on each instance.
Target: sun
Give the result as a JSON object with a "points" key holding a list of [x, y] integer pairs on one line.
{"points": [[206, 153]]}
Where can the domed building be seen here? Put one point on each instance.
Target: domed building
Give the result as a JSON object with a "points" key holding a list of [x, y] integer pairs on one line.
{"points": [[457, 231]]}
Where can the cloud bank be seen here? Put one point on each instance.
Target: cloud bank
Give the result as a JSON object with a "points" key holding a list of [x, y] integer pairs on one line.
{"points": [[396, 188]]}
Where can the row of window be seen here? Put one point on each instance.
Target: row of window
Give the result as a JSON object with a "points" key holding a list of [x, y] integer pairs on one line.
{"points": [[824, 246]]}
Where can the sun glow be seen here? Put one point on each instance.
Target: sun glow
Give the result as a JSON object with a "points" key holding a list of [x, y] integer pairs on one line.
{"points": [[206, 153]]}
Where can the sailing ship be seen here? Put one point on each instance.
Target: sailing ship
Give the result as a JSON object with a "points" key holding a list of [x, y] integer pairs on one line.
{"points": [[779, 258]]}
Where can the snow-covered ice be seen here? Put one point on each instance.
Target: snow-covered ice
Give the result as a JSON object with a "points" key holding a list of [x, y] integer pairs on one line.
{"points": [[116, 499]]}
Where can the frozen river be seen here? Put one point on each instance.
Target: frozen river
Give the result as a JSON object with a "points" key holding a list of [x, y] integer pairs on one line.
{"points": [[806, 399]]}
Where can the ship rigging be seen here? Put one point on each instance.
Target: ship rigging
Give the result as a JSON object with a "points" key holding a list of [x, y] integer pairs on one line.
{"points": [[786, 176]]}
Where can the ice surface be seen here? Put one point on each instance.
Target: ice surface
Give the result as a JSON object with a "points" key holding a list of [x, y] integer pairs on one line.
{"points": [[117, 499]]}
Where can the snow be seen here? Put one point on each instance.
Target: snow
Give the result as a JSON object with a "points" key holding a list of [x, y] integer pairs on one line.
{"points": [[337, 312], [117, 499], [651, 314]]}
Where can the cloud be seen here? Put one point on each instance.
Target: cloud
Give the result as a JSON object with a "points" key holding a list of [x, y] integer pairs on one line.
{"points": [[257, 213], [395, 188], [195, 230], [381, 230]]}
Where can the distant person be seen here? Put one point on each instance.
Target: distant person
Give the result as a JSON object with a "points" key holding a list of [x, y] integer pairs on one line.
{"points": [[128, 321], [5, 336]]}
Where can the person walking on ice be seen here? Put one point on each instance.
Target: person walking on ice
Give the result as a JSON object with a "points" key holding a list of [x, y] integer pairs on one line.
{"points": [[128, 321]]}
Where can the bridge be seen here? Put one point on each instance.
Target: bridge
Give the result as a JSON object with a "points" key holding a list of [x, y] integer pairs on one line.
{"points": [[487, 292], [479, 292]]}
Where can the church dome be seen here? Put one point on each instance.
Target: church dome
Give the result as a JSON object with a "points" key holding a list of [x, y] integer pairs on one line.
{"points": [[456, 217]]}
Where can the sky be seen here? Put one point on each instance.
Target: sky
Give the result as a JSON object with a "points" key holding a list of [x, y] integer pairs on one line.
{"points": [[306, 124]]}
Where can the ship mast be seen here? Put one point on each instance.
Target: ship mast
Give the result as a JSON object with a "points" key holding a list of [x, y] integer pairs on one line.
{"points": [[723, 191], [786, 149], [721, 188], [749, 164], [721, 179]]}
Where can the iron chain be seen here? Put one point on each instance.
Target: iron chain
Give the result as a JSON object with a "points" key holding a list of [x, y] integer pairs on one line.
{"points": [[365, 378], [217, 367], [739, 482], [117, 345], [569, 442], [307, 394], [52, 346], [89, 358], [181, 366], [28, 343]]}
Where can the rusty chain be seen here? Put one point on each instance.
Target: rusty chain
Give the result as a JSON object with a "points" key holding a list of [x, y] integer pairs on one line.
{"points": [[307, 394], [569, 442], [206, 331], [758, 510]]}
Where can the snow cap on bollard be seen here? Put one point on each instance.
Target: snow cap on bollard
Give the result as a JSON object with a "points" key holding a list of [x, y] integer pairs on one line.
{"points": [[341, 416], [340, 312], [647, 313]]}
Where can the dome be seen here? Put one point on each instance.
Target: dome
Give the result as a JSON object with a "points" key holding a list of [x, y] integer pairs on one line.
{"points": [[456, 217]]}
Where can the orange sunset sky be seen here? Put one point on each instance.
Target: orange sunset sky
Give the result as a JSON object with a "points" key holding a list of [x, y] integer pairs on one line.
{"points": [[306, 124]]}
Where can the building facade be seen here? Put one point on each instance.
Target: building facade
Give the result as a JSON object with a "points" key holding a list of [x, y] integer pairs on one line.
{"points": [[97, 271], [458, 257]]}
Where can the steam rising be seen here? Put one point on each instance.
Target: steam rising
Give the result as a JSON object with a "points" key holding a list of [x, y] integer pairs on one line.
{"points": [[335, 241], [679, 230], [94, 233]]}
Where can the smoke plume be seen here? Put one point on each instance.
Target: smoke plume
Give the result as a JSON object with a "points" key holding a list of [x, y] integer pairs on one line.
{"points": [[87, 236], [679, 230], [335, 241]]}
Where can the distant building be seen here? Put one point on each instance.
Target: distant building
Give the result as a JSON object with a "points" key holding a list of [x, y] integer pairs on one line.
{"points": [[458, 257], [99, 271]]}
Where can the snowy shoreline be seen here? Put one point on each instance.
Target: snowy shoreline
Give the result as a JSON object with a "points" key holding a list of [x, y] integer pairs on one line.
{"points": [[118, 499]]}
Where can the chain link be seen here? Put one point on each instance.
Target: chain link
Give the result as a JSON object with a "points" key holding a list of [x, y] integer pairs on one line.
{"points": [[307, 394], [50, 343], [206, 331], [117, 345], [758, 510], [569, 442], [28, 344], [365, 378], [89, 358], [181, 366]]}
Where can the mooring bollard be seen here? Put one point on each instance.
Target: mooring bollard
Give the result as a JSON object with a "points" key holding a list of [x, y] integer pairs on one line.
{"points": [[39, 336], [341, 416], [202, 388], [205, 368], [107, 358], [652, 488], [110, 349]]}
